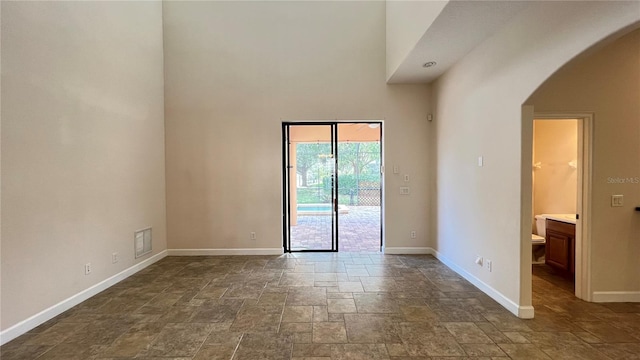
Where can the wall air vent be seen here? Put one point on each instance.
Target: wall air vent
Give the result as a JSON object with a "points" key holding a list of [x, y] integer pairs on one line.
{"points": [[142, 242]]}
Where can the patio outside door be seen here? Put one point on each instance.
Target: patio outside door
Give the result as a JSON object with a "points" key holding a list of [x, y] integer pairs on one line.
{"points": [[332, 186]]}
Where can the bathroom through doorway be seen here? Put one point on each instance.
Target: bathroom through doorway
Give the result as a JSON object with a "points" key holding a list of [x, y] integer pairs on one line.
{"points": [[560, 176]]}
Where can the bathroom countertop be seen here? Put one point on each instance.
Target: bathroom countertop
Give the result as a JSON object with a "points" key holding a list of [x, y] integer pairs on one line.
{"points": [[566, 218]]}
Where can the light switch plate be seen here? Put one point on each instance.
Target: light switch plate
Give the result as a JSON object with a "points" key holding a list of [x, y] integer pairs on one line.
{"points": [[480, 161], [404, 190], [617, 200]]}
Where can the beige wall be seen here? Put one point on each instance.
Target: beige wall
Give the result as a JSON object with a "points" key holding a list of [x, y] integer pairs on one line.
{"points": [[82, 145], [0, 166], [607, 83], [555, 145], [235, 71], [486, 210]]}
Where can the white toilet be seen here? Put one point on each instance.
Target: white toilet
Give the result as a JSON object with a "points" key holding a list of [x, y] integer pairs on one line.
{"points": [[541, 229], [538, 240]]}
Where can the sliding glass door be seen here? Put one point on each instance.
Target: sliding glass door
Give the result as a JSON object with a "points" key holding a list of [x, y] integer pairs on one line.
{"points": [[332, 186]]}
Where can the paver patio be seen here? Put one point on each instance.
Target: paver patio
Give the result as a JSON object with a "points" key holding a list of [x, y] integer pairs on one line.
{"points": [[358, 231]]}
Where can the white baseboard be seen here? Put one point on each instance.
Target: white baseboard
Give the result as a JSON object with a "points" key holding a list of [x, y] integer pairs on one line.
{"points": [[57, 309], [524, 312], [408, 250], [211, 252], [616, 296]]}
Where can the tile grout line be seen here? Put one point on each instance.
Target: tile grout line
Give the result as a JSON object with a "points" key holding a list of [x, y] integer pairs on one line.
{"points": [[237, 346]]}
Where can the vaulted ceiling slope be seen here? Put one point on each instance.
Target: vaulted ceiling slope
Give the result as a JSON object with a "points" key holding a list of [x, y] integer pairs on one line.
{"points": [[440, 31]]}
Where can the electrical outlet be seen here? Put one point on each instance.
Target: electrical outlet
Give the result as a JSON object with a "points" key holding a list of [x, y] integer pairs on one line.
{"points": [[489, 265], [87, 268], [114, 258], [253, 235], [413, 234]]}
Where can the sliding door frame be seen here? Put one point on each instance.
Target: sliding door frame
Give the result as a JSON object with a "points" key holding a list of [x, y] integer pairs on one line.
{"points": [[286, 182]]}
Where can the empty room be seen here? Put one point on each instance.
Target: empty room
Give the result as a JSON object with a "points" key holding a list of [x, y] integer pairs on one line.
{"points": [[319, 180]]}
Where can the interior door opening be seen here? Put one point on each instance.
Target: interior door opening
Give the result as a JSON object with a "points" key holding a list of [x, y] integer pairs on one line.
{"points": [[332, 188], [560, 183]]}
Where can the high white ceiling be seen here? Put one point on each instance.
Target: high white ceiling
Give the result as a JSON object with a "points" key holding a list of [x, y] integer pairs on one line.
{"points": [[459, 28]]}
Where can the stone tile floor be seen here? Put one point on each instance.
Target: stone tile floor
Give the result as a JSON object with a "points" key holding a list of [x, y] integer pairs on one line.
{"points": [[318, 306], [358, 231], [548, 274]]}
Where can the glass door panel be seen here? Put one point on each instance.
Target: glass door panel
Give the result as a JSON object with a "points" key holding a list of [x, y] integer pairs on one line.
{"points": [[310, 187], [359, 187]]}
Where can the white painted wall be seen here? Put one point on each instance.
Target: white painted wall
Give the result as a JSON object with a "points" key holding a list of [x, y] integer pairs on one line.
{"points": [[478, 101], [234, 71], [406, 23], [82, 145], [607, 83]]}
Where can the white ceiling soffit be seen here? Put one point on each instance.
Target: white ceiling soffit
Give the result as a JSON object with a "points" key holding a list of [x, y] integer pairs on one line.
{"points": [[460, 27]]}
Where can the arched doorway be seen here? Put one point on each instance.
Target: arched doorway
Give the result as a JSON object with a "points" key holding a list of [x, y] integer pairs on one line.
{"points": [[602, 82]]}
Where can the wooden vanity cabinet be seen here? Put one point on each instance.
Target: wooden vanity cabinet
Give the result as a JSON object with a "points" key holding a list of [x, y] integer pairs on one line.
{"points": [[560, 247]]}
